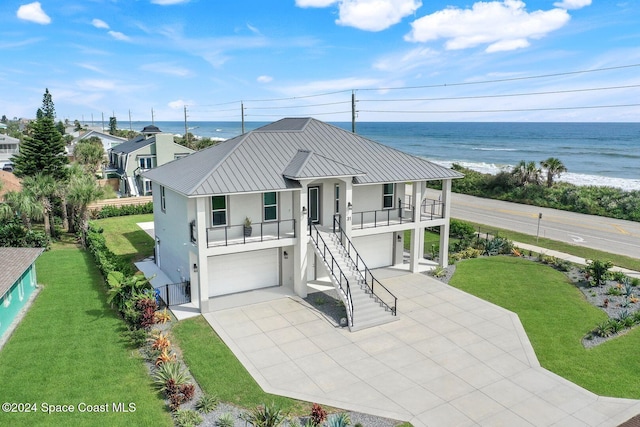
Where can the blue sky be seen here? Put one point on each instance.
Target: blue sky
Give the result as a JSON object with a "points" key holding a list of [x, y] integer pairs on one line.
{"points": [[407, 60]]}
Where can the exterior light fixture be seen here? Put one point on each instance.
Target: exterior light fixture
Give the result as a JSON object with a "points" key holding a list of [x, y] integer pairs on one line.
{"points": [[349, 205], [195, 268], [399, 238], [304, 210], [286, 255]]}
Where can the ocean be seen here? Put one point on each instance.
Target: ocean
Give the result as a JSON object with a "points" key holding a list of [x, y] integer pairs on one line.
{"points": [[594, 153]]}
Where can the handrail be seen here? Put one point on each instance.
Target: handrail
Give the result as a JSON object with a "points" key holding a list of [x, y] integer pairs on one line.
{"points": [[334, 264], [359, 261], [382, 217], [260, 232], [431, 208]]}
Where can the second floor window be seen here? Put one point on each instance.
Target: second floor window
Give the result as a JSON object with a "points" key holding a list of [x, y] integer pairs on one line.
{"points": [[145, 162], [337, 210], [218, 210], [387, 195], [163, 200], [270, 204]]}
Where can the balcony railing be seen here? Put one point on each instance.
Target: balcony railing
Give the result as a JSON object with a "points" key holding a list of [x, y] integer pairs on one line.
{"points": [[403, 213], [431, 209], [260, 232]]}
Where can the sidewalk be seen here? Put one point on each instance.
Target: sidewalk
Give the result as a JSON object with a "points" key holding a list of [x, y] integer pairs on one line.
{"points": [[571, 258]]}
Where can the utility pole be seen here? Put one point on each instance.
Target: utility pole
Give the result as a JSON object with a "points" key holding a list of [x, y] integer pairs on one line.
{"points": [[242, 115], [102, 122], [130, 128], [186, 129], [353, 111], [152, 119]]}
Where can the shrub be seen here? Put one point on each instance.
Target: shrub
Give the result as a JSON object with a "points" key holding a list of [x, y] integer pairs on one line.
{"points": [[147, 308], [614, 291], [163, 316], [618, 276], [338, 420], [225, 420], [598, 270], [111, 211], [265, 416], [318, 415], [207, 403], [170, 371], [439, 271], [165, 357], [106, 260], [625, 319], [187, 418], [603, 329]]}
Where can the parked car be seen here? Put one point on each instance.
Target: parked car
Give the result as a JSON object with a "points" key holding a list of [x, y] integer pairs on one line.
{"points": [[8, 167]]}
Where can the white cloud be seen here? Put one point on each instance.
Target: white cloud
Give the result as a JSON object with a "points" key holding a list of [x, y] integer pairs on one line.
{"points": [[166, 68], [178, 104], [168, 2], [572, 4], [315, 3], [99, 23], [322, 86], [253, 29], [118, 35], [406, 61], [96, 84], [264, 79], [33, 12], [502, 25], [375, 15]]}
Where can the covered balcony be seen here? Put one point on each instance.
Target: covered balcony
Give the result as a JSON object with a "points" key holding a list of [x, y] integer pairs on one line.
{"points": [[239, 234]]}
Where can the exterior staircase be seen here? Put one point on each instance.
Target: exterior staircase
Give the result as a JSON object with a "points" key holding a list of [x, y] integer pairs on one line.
{"points": [[353, 282]]}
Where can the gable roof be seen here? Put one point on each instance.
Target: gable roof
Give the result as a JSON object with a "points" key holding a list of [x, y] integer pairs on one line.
{"points": [[13, 263], [100, 135], [270, 157], [133, 144]]}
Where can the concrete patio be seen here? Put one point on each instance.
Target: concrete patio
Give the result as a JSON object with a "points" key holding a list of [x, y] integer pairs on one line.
{"points": [[450, 360]]}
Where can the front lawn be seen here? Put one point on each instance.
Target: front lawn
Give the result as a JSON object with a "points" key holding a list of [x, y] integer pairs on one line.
{"points": [[68, 350], [556, 316], [219, 372]]}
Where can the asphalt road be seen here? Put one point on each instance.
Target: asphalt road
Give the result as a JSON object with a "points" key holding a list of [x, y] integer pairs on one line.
{"points": [[606, 234]]}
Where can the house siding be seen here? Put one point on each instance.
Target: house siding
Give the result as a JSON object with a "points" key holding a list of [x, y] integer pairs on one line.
{"points": [[172, 228]]}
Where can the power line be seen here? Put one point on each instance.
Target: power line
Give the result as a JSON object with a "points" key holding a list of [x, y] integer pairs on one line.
{"points": [[554, 92], [498, 110]]}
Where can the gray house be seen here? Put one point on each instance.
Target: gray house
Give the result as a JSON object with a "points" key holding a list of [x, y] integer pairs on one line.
{"points": [[131, 158], [9, 147], [290, 202]]}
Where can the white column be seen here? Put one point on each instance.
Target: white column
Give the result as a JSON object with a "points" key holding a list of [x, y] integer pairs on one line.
{"points": [[203, 262], [300, 248], [348, 200], [417, 234], [444, 229]]}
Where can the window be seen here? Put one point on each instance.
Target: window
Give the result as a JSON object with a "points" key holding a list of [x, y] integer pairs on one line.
{"points": [[337, 198], [163, 200], [147, 186], [270, 206], [388, 195], [218, 210], [145, 162]]}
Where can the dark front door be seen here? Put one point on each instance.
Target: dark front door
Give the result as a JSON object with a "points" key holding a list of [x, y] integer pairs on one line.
{"points": [[314, 204]]}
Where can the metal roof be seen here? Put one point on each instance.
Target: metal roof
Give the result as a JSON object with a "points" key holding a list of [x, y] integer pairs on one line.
{"points": [[257, 161], [133, 144], [13, 263]]}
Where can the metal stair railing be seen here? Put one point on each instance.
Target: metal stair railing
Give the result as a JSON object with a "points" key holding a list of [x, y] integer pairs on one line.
{"points": [[372, 283], [334, 269]]}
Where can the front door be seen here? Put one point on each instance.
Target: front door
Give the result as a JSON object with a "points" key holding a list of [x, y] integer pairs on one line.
{"points": [[314, 205]]}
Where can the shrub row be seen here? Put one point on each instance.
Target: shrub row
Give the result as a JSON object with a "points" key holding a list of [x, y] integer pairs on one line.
{"points": [[613, 326], [111, 211], [106, 260]]}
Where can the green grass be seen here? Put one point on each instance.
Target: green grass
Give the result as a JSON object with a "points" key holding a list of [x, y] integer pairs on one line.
{"points": [[125, 238], [68, 349], [219, 372], [556, 316], [580, 251]]}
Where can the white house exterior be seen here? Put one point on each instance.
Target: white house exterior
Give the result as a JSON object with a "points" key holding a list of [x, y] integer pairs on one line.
{"points": [[315, 194], [9, 147]]}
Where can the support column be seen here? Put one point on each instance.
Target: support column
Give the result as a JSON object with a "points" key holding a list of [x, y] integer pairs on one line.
{"points": [[202, 259], [347, 221], [444, 229], [417, 234], [301, 212]]}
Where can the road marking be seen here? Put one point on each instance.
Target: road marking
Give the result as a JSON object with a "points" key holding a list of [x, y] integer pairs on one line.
{"points": [[576, 239], [620, 229]]}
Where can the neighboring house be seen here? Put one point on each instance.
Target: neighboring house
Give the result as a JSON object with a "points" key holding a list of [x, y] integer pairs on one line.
{"points": [[321, 200], [135, 156], [108, 141], [9, 147], [17, 282]]}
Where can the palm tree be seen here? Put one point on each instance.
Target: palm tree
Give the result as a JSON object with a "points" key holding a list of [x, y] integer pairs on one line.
{"points": [[554, 167], [82, 190], [526, 173], [42, 187], [24, 204]]}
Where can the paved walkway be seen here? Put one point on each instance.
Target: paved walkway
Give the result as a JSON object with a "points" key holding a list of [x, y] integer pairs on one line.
{"points": [[450, 360]]}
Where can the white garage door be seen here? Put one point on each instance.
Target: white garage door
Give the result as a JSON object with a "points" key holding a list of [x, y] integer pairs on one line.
{"points": [[240, 272], [376, 250]]}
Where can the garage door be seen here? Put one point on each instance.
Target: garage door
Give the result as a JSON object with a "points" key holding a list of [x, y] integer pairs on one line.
{"points": [[376, 250], [241, 272]]}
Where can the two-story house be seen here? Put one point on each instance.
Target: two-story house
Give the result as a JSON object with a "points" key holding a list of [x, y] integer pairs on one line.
{"points": [[291, 201], [9, 147], [130, 159]]}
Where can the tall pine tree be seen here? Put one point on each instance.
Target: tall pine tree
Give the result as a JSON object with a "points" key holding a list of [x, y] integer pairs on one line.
{"points": [[43, 151]]}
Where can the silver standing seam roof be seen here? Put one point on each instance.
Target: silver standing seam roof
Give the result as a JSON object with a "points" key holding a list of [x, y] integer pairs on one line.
{"points": [[272, 157]]}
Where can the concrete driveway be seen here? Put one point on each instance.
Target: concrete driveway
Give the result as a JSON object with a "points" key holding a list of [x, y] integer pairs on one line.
{"points": [[450, 360]]}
